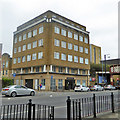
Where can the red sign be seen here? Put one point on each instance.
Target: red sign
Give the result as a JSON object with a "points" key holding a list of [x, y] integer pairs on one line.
{"points": [[93, 79]]}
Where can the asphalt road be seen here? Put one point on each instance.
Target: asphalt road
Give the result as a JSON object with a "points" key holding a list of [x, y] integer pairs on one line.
{"points": [[56, 99]]}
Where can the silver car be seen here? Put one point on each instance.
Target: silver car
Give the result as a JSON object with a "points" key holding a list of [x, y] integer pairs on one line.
{"points": [[14, 90]]}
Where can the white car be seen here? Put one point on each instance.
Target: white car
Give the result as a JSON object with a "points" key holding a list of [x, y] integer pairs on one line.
{"points": [[81, 88], [96, 88]]}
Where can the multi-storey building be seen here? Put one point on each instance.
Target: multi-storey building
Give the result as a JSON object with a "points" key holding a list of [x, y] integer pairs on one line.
{"points": [[95, 54], [53, 51], [0, 66]]}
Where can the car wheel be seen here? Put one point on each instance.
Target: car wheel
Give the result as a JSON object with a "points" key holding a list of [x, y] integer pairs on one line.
{"points": [[13, 94], [32, 93]]}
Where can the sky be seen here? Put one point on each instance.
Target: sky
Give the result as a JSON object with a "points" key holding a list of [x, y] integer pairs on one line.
{"points": [[99, 16]]}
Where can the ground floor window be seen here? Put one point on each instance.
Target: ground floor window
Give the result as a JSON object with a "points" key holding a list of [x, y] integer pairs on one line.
{"points": [[17, 82], [53, 84], [37, 84], [84, 82], [21, 82], [43, 82], [60, 84], [78, 82]]}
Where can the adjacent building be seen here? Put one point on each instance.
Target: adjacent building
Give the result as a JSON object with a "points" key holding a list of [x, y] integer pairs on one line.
{"points": [[0, 66], [53, 51]]}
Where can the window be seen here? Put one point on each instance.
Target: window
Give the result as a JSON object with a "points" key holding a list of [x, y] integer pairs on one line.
{"points": [[34, 32], [28, 57], [75, 48], [86, 50], [20, 38], [41, 30], [34, 56], [76, 59], [63, 44], [54, 68], [56, 55], [70, 58], [81, 60], [83, 72], [81, 49], [86, 61], [23, 58], [17, 82], [83, 82], [6, 63], [29, 34], [57, 30], [35, 44], [24, 47], [24, 36], [60, 84], [21, 82], [52, 84], [19, 49], [40, 55], [15, 50], [29, 46], [63, 56], [63, 32], [69, 34], [81, 38], [18, 59], [14, 61], [78, 82], [56, 42], [43, 82], [37, 69], [72, 70], [15, 40], [60, 69], [86, 40], [76, 36], [70, 46], [40, 42]]}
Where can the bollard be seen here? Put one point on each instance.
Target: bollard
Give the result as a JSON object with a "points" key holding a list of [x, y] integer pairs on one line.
{"points": [[68, 108], [94, 106], [29, 109], [112, 102]]}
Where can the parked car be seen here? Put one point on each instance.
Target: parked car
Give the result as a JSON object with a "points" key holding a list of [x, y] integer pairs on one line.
{"points": [[14, 90], [109, 87], [96, 88], [117, 87], [81, 88]]}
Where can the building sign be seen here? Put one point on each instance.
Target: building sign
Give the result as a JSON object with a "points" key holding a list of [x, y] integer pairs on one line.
{"points": [[115, 69]]}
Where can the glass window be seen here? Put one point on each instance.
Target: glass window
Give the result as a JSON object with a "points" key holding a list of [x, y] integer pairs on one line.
{"points": [[34, 56], [60, 69], [40, 42], [53, 84], [40, 55], [70, 58], [75, 48], [60, 84], [63, 32], [34, 44], [83, 72], [6, 63], [69, 34], [40, 29], [86, 40], [76, 59], [56, 42], [81, 49], [19, 49], [29, 46], [24, 36], [28, 57], [20, 38], [78, 82], [15, 50], [76, 36], [81, 60], [81, 38], [14, 61], [72, 70], [54, 68], [63, 56], [57, 30], [56, 55], [15, 40], [83, 82], [43, 82], [18, 59], [34, 32], [70, 46], [37, 69], [86, 50], [24, 47], [29, 34], [21, 82], [63, 44], [86, 61], [17, 82], [23, 58]]}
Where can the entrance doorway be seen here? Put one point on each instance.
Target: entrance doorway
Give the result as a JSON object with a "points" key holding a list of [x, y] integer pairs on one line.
{"points": [[29, 83], [69, 84]]}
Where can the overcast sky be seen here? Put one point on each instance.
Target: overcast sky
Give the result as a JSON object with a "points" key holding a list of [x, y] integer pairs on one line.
{"points": [[99, 16]]}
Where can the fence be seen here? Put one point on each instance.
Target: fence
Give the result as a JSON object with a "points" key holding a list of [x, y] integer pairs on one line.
{"points": [[25, 111], [84, 107]]}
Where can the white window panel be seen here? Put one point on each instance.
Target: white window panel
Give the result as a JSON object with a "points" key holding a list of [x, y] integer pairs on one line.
{"points": [[24, 47], [40, 55], [23, 58], [70, 46], [40, 29], [63, 44], [24, 37], [34, 56], [20, 37], [19, 49], [15, 40], [28, 57], [29, 46], [86, 50], [56, 42], [70, 58], [76, 59], [35, 44], [34, 32], [18, 59], [63, 32], [63, 56], [29, 34], [81, 38], [56, 55], [14, 61], [75, 47], [76, 36], [81, 60], [81, 49], [15, 50], [7, 64], [57, 30], [40, 42], [69, 34], [86, 61], [86, 40]]}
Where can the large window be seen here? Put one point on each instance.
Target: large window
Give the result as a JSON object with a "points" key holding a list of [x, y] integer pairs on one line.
{"points": [[43, 82], [63, 32], [78, 82], [56, 55], [29, 46], [86, 50], [53, 84], [15, 50], [40, 42], [15, 40], [60, 69], [86, 61], [69, 34], [60, 84], [14, 61], [54, 68], [34, 56], [17, 82], [40, 55], [24, 36], [63, 56], [18, 59], [40, 29], [23, 58], [57, 30], [86, 40], [75, 48], [6, 63], [28, 57], [70, 58], [81, 38], [81, 49], [24, 47], [34, 32], [81, 60], [56, 42], [76, 36], [70, 46], [84, 82], [20, 37], [34, 44], [19, 49], [76, 59], [29, 34], [63, 44], [37, 69]]}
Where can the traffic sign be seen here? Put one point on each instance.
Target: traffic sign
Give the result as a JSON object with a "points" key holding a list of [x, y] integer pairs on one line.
{"points": [[14, 74]]}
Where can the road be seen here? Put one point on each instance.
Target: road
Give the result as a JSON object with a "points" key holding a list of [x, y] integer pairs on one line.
{"points": [[57, 99]]}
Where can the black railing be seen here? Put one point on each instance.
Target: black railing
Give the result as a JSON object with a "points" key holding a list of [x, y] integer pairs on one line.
{"points": [[25, 111]]}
